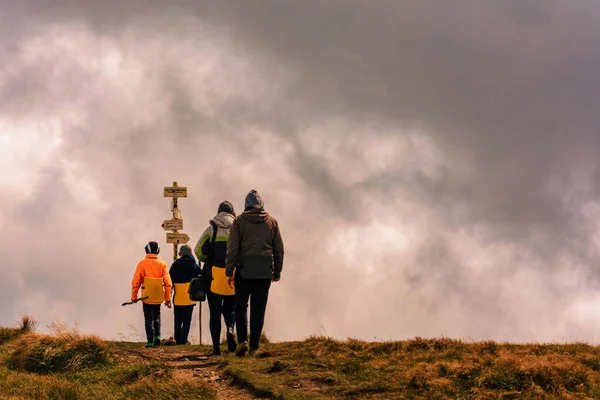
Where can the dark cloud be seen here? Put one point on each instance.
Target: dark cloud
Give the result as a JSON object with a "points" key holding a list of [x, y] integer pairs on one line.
{"points": [[433, 166]]}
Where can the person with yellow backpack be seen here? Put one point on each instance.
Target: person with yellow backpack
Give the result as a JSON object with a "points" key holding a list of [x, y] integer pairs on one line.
{"points": [[182, 272], [212, 249], [153, 277]]}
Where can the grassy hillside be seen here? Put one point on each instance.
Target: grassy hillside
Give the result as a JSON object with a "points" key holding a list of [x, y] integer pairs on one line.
{"points": [[67, 365], [322, 368]]}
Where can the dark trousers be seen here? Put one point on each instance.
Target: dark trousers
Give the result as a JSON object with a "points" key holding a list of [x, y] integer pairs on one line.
{"points": [[257, 291], [220, 305], [183, 321], [152, 321]]}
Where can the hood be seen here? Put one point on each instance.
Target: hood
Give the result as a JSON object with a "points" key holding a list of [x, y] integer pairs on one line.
{"points": [[225, 206], [224, 220], [255, 215], [253, 200]]}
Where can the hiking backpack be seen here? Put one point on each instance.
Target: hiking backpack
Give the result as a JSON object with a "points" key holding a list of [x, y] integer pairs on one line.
{"points": [[200, 285]]}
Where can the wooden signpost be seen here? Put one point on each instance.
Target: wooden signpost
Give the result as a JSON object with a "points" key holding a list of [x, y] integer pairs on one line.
{"points": [[174, 225], [176, 238]]}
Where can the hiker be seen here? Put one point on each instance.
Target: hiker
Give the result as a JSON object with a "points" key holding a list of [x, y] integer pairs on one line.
{"points": [[151, 275], [183, 270], [212, 250], [255, 255]]}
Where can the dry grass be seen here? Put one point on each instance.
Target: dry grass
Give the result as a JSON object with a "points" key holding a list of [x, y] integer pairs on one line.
{"points": [[26, 325], [43, 354], [118, 383], [68, 365], [321, 367]]}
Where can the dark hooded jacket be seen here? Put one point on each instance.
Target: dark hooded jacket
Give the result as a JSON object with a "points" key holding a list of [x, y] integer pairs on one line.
{"points": [[184, 269], [254, 232]]}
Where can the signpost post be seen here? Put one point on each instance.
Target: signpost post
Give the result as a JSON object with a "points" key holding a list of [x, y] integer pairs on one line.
{"points": [[176, 224]]}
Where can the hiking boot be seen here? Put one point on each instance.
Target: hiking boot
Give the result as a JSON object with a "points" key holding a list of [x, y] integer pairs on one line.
{"points": [[148, 345], [231, 346], [252, 352], [156, 341], [241, 350], [215, 352]]}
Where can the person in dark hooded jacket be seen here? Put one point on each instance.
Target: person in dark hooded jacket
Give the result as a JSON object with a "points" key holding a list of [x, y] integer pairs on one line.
{"points": [[182, 272], [220, 296], [254, 260]]}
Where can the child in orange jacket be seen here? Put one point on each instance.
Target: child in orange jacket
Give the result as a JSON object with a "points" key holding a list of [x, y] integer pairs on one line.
{"points": [[152, 275]]}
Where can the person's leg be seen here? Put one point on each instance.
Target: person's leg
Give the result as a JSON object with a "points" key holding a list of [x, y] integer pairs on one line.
{"points": [[177, 323], [215, 305], [242, 294], [258, 307], [148, 319], [186, 322], [229, 318], [156, 324]]}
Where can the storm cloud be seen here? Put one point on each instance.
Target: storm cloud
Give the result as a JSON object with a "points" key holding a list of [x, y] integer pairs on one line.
{"points": [[432, 165]]}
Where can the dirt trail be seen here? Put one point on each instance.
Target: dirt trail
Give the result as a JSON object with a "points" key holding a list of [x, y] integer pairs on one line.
{"points": [[190, 363]]}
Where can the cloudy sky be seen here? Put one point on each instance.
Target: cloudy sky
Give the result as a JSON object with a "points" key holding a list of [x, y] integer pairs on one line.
{"points": [[433, 165]]}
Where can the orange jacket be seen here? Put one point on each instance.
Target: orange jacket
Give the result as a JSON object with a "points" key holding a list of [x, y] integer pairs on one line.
{"points": [[151, 267]]}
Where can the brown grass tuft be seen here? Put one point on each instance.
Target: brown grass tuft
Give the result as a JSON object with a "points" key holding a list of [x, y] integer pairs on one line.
{"points": [[28, 324], [68, 352]]}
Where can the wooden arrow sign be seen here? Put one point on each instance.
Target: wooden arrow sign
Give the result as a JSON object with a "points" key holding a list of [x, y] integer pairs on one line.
{"points": [[175, 191], [177, 238], [173, 225]]}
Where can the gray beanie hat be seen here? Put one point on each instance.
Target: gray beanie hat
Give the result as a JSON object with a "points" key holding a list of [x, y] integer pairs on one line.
{"points": [[185, 250]]}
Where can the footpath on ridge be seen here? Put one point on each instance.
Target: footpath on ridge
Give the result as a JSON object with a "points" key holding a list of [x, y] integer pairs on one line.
{"points": [[190, 363]]}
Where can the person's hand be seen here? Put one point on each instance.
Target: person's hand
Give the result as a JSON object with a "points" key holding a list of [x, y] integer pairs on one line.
{"points": [[168, 304], [230, 282], [276, 278]]}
